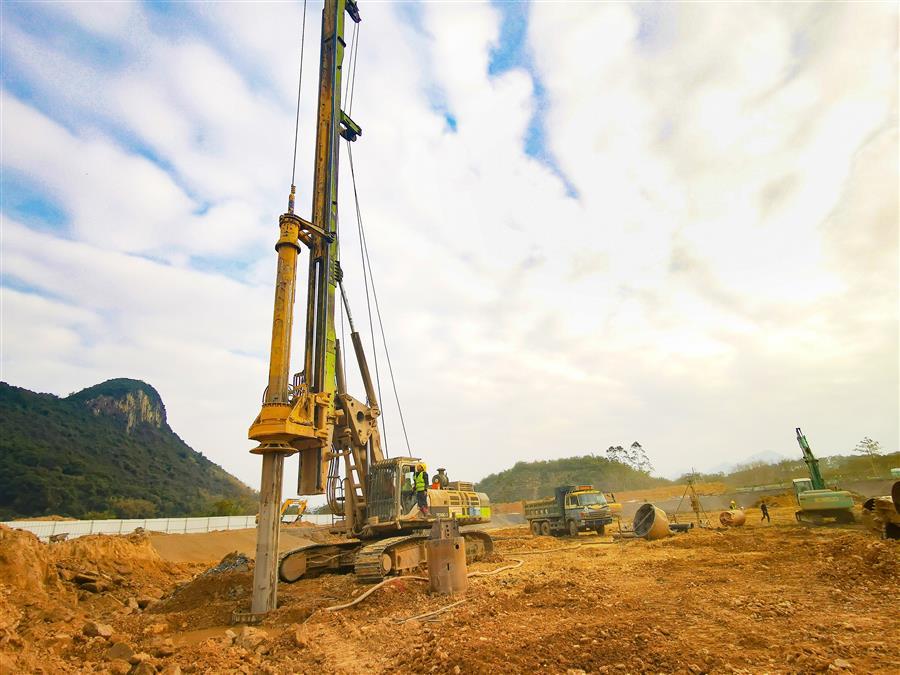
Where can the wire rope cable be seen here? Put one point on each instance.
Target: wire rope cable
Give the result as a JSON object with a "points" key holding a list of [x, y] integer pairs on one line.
{"points": [[354, 56], [299, 89], [351, 60], [362, 255], [367, 265]]}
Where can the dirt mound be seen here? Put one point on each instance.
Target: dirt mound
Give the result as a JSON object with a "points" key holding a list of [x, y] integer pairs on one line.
{"points": [[855, 556], [25, 564], [669, 492], [210, 597], [128, 563], [108, 552], [508, 507], [786, 499]]}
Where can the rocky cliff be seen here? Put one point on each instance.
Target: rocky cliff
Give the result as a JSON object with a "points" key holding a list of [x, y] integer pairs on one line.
{"points": [[105, 451]]}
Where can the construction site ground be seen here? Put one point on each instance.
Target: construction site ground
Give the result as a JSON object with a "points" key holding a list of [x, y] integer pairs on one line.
{"points": [[779, 597]]}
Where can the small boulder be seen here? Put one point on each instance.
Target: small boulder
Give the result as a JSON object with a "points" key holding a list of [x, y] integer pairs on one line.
{"points": [[119, 650], [59, 642], [118, 667], [94, 629], [140, 657], [301, 639], [95, 586], [167, 648], [250, 638], [142, 668], [85, 577]]}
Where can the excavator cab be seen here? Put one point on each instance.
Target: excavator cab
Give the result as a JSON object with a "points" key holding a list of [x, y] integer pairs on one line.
{"points": [[391, 499], [392, 492]]}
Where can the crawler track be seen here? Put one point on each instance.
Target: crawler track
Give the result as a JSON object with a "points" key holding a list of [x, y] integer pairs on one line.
{"points": [[373, 561]]}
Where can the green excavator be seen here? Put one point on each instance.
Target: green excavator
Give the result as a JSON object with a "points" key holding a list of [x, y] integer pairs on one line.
{"points": [[818, 502]]}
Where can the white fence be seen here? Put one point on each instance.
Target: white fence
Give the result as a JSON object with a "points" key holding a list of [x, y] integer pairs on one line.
{"points": [[45, 529]]}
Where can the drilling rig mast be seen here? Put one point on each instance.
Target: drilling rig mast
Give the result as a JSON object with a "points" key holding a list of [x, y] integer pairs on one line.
{"points": [[298, 416], [313, 415]]}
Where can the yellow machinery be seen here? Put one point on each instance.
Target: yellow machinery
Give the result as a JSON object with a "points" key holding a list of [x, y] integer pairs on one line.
{"points": [[311, 413], [615, 508], [287, 504], [293, 501], [882, 514]]}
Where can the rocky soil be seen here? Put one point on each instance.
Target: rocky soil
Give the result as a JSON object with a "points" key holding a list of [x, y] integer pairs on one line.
{"points": [[773, 598]]}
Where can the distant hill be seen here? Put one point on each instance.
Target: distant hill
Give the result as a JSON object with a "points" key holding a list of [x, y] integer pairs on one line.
{"points": [[531, 480], [835, 469], [105, 452]]}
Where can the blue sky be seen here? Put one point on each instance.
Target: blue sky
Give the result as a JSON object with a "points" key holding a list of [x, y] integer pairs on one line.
{"points": [[572, 213]]}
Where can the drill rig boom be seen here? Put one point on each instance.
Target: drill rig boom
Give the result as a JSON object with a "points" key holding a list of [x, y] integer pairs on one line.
{"points": [[312, 413]]}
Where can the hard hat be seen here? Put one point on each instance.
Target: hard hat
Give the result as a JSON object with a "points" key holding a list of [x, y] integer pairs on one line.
{"points": [[421, 467]]}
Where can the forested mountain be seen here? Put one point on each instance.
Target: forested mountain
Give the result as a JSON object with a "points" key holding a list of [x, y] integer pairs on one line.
{"points": [[531, 480], [105, 452]]}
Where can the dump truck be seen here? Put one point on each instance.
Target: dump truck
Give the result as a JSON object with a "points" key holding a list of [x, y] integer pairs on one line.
{"points": [[817, 502], [572, 509]]}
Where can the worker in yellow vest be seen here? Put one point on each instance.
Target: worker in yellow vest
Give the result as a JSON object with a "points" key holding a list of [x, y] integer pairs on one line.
{"points": [[420, 481]]}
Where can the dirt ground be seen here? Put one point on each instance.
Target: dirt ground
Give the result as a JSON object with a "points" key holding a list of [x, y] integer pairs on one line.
{"points": [[773, 598], [669, 492]]}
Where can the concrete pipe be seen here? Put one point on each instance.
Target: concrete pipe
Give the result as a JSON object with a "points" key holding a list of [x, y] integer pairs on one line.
{"points": [[650, 523], [732, 518]]}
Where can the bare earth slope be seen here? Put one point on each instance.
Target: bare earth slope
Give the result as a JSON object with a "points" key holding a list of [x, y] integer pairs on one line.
{"points": [[764, 598]]}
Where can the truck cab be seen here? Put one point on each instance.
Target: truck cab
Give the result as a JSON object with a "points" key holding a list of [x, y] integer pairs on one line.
{"points": [[573, 509]]}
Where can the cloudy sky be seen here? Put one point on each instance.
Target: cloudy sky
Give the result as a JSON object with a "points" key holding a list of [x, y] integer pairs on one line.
{"points": [[589, 223]]}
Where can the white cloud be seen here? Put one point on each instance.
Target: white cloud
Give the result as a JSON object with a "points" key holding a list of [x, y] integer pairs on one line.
{"points": [[719, 278]]}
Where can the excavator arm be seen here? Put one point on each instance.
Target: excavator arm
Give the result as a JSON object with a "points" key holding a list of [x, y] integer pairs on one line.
{"points": [[812, 464]]}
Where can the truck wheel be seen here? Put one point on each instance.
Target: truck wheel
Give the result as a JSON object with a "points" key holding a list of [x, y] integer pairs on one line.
{"points": [[601, 530], [545, 528], [573, 528], [535, 528]]}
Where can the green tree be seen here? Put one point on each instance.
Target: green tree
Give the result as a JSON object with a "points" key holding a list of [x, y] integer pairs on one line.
{"points": [[125, 507], [871, 449], [638, 458]]}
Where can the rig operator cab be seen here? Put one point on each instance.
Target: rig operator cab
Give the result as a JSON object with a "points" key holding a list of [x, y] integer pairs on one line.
{"points": [[573, 509], [392, 500]]}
